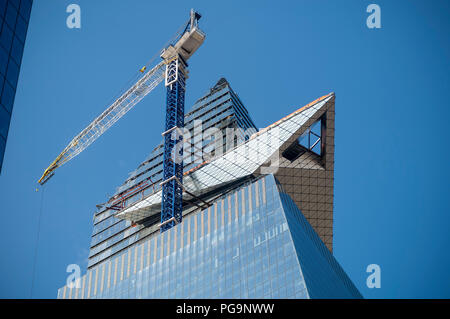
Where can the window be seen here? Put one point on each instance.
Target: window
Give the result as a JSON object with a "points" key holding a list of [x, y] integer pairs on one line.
{"points": [[11, 15], [17, 50], [25, 8], [310, 140], [12, 73], [2, 8], [21, 29], [7, 98], [2, 80], [4, 122], [6, 38], [2, 149]]}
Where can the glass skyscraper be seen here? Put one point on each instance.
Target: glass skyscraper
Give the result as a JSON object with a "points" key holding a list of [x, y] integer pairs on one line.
{"points": [[257, 213], [14, 17]]}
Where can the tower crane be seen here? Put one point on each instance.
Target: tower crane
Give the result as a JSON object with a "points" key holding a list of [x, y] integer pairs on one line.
{"points": [[172, 69]]}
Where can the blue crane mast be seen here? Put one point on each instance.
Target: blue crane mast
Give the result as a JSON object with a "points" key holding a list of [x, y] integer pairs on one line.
{"points": [[175, 57]]}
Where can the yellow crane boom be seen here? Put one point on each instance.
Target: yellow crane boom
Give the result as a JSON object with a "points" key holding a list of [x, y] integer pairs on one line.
{"points": [[184, 43], [105, 120]]}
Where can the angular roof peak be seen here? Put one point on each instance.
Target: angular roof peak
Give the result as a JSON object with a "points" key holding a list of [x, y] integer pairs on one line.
{"points": [[221, 82], [245, 159]]}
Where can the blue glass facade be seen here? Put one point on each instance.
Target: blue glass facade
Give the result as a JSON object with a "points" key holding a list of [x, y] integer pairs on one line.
{"points": [[324, 276], [249, 229], [253, 242], [14, 17]]}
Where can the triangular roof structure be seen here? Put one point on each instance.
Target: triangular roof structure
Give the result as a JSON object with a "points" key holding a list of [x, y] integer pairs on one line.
{"points": [[261, 154]]}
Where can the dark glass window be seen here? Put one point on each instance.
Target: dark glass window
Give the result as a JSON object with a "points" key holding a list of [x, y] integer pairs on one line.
{"points": [[11, 15], [17, 50], [2, 150], [6, 37], [2, 8], [15, 3], [25, 8], [12, 74], [2, 80], [3, 60], [8, 96], [21, 29], [4, 122]]}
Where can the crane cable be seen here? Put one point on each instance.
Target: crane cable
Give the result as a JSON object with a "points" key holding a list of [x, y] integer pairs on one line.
{"points": [[37, 240]]}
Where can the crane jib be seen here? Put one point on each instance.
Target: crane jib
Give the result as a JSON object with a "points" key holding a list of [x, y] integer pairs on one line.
{"points": [[184, 47]]}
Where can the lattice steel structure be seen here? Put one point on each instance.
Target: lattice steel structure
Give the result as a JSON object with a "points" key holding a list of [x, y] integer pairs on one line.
{"points": [[104, 121], [172, 189]]}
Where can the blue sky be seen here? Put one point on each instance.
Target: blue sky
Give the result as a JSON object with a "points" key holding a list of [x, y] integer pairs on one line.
{"points": [[392, 194]]}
